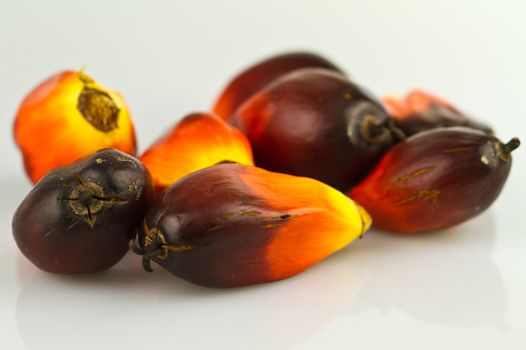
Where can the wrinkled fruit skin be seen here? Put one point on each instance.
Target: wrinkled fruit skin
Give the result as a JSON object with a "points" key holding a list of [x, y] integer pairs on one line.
{"points": [[254, 78], [420, 111], [232, 225], [80, 218], [199, 140], [435, 179], [315, 123], [67, 117]]}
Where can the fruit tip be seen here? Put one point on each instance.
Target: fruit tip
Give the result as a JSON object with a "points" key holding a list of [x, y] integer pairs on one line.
{"points": [[511, 145], [365, 218]]}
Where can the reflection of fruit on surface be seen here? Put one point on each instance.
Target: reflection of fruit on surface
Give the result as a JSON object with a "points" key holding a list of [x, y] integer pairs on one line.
{"points": [[315, 123], [435, 179], [67, 117], [438, 278], [80, 218], [278, 317], [196, 142], [246, 225], [421, 111], [252, 79]]}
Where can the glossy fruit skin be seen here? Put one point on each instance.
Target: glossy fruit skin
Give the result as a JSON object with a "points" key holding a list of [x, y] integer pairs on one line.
{"points": [[67, 117], [233, 225], [199, 140], [316, 123], [420, 111], [255, 77], [80, 218], [435, 179]]}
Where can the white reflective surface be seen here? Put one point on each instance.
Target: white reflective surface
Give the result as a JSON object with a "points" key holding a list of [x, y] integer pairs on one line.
{"points": [[460, 288]]}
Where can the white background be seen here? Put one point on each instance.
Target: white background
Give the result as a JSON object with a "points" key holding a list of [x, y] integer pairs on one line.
{"points": [[464, 288]]}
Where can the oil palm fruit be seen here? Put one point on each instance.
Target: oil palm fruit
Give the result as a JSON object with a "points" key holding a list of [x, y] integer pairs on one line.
{"points": [[80, 218], [436, 179], [421, 111], [198, 141], [252, 79], [233, 225], [314, 122], [67, 117]]}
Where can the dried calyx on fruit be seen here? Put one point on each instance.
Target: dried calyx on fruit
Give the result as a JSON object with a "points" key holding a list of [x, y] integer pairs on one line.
{"points": [[79, 117], [316, 123], [199, 140], [435, 179], [254, 78], [420, 111], [246, 226], [80, 218]]}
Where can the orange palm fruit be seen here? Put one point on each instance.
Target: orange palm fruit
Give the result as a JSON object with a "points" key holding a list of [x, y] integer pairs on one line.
{"points": [[67, 117], [255, 77], [420, 111], [436, 179], [198, 141], [232, 225]]}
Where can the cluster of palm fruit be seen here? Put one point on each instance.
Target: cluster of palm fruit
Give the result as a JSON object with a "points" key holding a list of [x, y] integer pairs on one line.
{"points": [[256, 190]]}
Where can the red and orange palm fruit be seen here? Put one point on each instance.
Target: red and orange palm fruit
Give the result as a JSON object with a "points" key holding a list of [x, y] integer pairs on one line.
{"points": [[255, 77], [314, 122], [420, 111], [198, 141], [435, 179], [67, 117], [233, 225]]}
